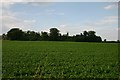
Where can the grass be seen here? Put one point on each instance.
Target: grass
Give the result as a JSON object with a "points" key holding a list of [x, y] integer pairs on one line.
{"points": [[42, 59]]}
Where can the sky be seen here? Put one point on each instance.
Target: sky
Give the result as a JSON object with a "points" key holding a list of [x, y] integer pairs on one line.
{"points": [[72, 17]]}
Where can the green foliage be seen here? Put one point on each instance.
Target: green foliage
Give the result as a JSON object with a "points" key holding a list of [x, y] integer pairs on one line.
{"points": [[44, 36], [85, 33], [54, 35], [4, 37], [15, 34], [23, 59], [91, 33], [31, 36]]}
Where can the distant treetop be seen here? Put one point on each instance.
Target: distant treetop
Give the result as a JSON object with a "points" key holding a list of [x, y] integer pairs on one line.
{"points": [[53, 35]]}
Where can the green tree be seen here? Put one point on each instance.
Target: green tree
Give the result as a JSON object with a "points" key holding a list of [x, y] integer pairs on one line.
{"points": [[4, 36], [91, 33], [32, 36], [15, 34], [54, 34], [44, 36], [105, 40], [85, 33]]}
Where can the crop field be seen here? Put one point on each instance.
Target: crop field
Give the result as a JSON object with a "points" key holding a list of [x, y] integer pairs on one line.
{"points": [[45, 59]]}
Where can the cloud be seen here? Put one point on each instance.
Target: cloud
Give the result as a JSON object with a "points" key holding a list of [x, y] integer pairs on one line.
{"points": [[112, 6], [60, 13], [8, 3], [29, 21], [60, 0], [56, 13], [40, 3], [71, 28], [107, 21], [9, 20], [53, 12], [50, 10], [104, 22], [109, 33], [63, 28], [106, 27], [27, 0]]}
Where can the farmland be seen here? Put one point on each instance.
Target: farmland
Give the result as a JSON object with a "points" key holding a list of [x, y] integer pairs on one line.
{"points": [[47, 59]]}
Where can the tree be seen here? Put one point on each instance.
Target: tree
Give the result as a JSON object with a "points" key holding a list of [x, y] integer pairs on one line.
{"points": [[4, 36], [105, 40], [118, 41], [32, 36], [99, 39], [54, 34], [38, 37], [44, 36], [0, 37], [85, 33], [91, 33], [81, 34], [67, 34], [15, 34]]}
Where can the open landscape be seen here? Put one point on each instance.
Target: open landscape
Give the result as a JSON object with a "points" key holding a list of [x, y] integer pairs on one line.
{"points": [[61, 39], [48, 59]]}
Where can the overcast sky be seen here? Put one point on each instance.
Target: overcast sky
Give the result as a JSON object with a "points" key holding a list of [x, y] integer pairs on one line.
{"points": [[72, 17]]}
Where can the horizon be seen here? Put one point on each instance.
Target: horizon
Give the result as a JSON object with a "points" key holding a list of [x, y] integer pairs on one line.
{"points": [[59, 33], [74, 18]]}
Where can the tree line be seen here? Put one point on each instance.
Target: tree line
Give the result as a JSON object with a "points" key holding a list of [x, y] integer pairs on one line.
{"points": [[53, 35]]}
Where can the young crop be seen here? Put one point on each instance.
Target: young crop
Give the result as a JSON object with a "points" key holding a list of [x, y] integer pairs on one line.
{"points": [[22, 59]]}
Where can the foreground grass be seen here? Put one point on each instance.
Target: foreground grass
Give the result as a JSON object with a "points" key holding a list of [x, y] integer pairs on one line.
{"points": [[59, 60]]}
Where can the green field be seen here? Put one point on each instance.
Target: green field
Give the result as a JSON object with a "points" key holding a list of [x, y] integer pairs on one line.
{"points": [[40, 59]]}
